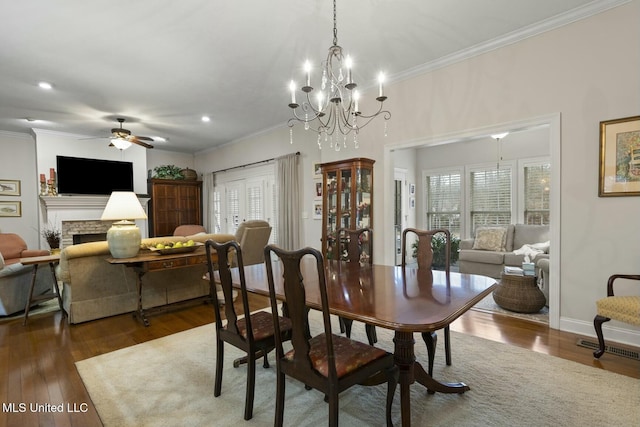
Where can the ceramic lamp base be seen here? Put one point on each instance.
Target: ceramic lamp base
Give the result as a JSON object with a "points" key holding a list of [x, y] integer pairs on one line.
{"points": [[124, 239]]}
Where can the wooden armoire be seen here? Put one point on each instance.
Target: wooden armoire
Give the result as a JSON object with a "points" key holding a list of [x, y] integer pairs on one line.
{"points": [[173, 203]]}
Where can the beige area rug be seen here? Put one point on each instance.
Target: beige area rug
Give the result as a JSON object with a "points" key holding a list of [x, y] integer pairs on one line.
{"points": [[169, 382]]}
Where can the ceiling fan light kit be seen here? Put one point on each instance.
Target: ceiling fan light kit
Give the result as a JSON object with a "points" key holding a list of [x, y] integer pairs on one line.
{"points": [[336, 106]]}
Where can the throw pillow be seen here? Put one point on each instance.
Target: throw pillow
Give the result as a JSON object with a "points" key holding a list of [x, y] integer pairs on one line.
{"points": [[490, 239]]}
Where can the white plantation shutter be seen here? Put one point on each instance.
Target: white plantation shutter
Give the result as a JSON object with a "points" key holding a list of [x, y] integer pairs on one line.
{"points": [[444, 195], [490, 197]]}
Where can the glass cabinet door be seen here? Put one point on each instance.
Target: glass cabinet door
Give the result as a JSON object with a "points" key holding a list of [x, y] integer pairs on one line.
{"points": [[363, 196], [345, 199]]}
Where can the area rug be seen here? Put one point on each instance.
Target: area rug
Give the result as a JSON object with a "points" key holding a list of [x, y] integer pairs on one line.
{"points": [[169, 382]]}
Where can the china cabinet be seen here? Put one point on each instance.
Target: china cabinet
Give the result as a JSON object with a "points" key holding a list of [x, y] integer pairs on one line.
{"points": [[347, 200]]}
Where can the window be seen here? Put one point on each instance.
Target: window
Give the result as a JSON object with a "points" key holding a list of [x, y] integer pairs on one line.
{"points": [[243, 195], [490, 192], [537, 184], [444, 195]]}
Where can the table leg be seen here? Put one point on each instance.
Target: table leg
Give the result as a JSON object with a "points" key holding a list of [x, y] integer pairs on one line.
{"points": [[56, 287], [140, 311], [412, 371], [33, 284]]}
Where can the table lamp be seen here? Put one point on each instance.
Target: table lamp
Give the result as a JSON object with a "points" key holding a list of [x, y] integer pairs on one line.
{"points": [[124, 236]]}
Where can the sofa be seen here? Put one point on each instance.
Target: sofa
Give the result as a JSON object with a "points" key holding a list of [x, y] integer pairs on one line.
{"points": [[493, 248], [15, 278], [94, 288]]}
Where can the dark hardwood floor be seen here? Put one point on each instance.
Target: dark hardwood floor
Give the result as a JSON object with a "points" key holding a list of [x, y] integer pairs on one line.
{"points": [[37, 360]]}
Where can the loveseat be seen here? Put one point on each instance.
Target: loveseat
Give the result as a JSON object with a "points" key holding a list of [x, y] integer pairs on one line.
{"points": [[493, 248], [15, 278], [94, 288]]}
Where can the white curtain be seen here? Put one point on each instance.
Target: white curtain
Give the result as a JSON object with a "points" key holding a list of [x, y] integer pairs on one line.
{"points": [[288, 186], [207, 199]]}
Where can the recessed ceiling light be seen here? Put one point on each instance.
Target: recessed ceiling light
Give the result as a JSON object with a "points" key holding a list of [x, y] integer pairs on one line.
{"points": [[45, 85], [206, 119]]}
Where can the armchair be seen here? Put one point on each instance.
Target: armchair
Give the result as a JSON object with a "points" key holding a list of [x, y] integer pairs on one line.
{"points": [[622, 308], [15, 278], [253, 236]]}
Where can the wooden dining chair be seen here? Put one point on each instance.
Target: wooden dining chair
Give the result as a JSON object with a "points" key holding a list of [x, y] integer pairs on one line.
{"points": [[356, 246], [326, 362], [253, 333], [424, 258]]}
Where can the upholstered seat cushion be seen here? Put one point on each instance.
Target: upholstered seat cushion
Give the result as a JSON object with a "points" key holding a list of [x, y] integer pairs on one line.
{"points": [[350, 355], [262, 325], [622, 308]]}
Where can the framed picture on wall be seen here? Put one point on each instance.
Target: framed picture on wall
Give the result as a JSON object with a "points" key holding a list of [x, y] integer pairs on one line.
{"points": [[9, 187], [620, 157], [317, 210], [318, 188], [10, 209], [317, 170]]}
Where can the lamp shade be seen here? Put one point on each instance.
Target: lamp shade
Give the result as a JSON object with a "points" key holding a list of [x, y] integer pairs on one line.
{"points": [[123, 205], [123, 237]]}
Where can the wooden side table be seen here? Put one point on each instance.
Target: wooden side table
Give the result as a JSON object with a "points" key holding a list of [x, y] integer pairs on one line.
{"points": [[52, 260], [519, 293]]}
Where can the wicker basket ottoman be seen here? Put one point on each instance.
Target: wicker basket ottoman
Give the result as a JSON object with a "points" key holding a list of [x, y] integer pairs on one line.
{"points": [[519, 293]]}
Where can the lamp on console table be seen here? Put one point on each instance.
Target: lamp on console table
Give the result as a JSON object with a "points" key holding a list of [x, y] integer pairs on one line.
{"points": [[124, 236]]}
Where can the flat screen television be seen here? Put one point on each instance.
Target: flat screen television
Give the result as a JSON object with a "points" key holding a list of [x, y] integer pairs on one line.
{"points": [[78, 175]]}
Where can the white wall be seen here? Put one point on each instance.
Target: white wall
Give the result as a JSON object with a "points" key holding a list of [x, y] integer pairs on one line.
{"points": [[586, 71], [17, 162]]}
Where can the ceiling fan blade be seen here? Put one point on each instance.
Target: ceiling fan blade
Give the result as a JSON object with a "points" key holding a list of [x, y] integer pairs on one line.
{"points": [[144, 138], [136, 140]]}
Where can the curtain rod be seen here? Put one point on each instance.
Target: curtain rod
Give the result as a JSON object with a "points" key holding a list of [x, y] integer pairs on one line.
{"points": [[297, 153]]}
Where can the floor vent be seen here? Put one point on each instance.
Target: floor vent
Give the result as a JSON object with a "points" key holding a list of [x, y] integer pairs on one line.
{"points": [[610, 349]]}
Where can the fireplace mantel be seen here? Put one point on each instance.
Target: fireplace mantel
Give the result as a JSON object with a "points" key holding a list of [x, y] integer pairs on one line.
{"points": [[57, 209]]}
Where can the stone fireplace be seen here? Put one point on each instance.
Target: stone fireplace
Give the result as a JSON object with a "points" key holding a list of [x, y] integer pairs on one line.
{"points": [[79, 216]]}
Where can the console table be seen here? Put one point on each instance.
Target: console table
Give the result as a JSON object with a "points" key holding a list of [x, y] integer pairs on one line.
{"points": [[148, 261]]}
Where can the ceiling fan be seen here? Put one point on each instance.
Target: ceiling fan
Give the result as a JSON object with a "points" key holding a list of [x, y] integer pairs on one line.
{"points": [[121, 138]]}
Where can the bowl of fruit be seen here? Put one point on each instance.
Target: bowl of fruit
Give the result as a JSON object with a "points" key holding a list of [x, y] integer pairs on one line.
{"points": [[176, 247]]}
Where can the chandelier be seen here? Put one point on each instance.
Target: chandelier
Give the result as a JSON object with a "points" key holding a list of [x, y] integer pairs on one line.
{"points": [[335, 108]]}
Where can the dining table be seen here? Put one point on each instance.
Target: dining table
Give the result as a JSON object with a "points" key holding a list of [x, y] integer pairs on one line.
{"points": [[403, 299]]}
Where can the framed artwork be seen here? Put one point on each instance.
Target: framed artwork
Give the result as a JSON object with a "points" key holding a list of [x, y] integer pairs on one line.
{"points": [[317, 210], [318, 187], [9, 187], [10, 209], [317, 169], [620, 157]]}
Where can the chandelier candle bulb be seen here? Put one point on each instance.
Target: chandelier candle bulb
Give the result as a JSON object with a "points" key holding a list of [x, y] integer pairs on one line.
{"points": [[380, 81], [292, 88], [307, 70]]}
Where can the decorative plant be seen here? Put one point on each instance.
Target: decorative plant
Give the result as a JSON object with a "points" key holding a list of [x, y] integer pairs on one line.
{"points": [[168, 172], [52, 235], [438, 244]]}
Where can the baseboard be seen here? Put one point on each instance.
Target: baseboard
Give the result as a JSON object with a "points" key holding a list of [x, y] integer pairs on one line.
{"points": [[612, 332]]}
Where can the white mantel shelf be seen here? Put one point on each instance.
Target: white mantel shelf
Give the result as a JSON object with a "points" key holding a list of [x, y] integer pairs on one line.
{"points": [[80, 202]]}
